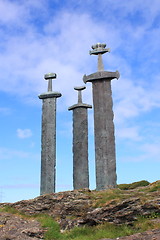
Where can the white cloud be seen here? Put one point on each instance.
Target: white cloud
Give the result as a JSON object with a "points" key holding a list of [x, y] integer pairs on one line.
{"points": [[17, 186], [6, 153], [14, 154], [144, 152], [32, 54], [132, 100], [61, 45], [32, 144], [11, 10], [20, 13], [24, 133], [5, 110], [151, 151], [130, 133]]}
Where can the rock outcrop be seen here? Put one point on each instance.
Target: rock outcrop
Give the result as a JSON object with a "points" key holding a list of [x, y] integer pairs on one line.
{"points": [[85, 207], [77, 208], [15, 227]]}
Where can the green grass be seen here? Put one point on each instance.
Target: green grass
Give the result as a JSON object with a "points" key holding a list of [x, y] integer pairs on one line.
{"points": [[9, 210], [116, 195], [133, 185], [53, 228], [106, 230], [154, 187], [108, 196], [147, 223]]}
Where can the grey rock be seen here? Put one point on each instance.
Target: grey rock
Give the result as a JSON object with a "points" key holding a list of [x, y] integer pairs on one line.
{"points": [[77, 208], [18, 228]]}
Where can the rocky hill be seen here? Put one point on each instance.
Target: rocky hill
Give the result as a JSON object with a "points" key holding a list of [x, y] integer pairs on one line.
{"points": [[83, 208]]}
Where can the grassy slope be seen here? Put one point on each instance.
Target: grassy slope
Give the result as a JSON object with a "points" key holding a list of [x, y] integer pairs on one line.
{"points": [[141, 189]]}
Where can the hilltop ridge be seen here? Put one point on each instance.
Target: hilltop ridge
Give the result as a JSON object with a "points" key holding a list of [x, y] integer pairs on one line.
{"points": [[93, 208]]}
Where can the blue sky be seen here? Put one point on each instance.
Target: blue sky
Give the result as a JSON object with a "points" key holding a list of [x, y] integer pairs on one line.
{"points": [[41, 36]]}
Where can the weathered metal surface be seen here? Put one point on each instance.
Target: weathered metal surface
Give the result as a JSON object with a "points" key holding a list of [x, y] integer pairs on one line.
{"points": [[105, 156], [80, 148], [48, 138], [105, 75], [80, 142], [104, 135], [48, 146]]}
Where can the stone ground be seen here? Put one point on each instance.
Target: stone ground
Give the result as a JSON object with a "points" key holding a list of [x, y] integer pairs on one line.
{"points": [[18, 228], [77, 208], [14, 227]]}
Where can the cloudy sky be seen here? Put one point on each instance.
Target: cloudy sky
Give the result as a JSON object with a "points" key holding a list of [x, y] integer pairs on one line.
{"points": [[41, 36]]}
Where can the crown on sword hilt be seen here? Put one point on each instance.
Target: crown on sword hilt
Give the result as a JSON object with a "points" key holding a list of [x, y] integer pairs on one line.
{"points": [[99, 48]]}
